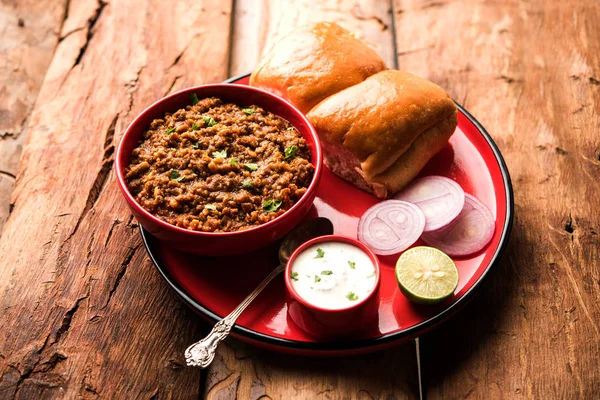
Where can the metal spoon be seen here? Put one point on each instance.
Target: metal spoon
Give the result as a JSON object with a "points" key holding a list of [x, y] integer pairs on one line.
{"points": [[202, 353]]}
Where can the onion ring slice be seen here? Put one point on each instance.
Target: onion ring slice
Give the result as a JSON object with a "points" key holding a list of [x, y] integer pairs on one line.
{"points": [[470, 232], [391, 226], [440, 198]]}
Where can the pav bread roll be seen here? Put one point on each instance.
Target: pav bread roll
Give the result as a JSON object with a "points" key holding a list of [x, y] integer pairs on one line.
{"points": [[378, 134], [314, 62]]}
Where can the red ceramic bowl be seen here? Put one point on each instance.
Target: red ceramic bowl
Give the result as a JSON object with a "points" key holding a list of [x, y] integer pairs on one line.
{"points": [[211, 243], [328, 323]]}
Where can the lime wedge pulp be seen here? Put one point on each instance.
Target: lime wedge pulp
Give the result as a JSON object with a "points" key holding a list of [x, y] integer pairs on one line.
{"points": [[426, 275]]}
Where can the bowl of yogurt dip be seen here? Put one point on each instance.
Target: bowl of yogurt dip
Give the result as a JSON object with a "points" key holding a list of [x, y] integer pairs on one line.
{"points": [[332, 286]]}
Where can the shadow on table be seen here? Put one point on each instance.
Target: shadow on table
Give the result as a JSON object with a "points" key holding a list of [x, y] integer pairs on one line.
{"points": [[465, 346]]}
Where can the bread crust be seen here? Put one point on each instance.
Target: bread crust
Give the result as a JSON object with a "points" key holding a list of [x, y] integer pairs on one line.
{"points": [[314, 62], [411, 162], [380, 133]]}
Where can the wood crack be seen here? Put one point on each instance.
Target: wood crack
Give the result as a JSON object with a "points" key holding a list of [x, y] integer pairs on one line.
{"points": [[101, 177], [120, 274], [65, 15], [358, 13], [60, 39], [64, 19], [154, 394], [133, 87], [52, 362], [57, 357], [6, 135], [13, 135], [569, 226], [66, 322], [183, 51], [90, 31], [172, 84], [23, 378], [87, 387], [8, 175], [509, 80], [110, 232]]}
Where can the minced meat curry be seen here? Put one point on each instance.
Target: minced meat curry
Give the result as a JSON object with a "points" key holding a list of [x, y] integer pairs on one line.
{"points": [[218, 167]]}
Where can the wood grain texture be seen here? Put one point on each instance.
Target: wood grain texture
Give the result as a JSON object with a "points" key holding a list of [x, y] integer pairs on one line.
{"points": [[529, 71], [243, 372], [30, 31], [84, 314]]}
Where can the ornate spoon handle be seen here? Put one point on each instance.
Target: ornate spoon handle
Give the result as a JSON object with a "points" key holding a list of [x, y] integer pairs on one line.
{"points": [[202, 353]]}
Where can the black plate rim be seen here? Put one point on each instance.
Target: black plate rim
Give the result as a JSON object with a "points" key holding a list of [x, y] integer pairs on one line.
{"points": [[362, 344]]}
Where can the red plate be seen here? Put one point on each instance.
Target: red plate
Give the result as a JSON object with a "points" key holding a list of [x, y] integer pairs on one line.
{"points": [[215, 286]]}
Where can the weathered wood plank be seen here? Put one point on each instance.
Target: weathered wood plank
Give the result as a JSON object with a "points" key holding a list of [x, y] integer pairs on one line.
{"points": [[529, 71], [241, 371], [30, 32], [84, 312], [87, 316]]}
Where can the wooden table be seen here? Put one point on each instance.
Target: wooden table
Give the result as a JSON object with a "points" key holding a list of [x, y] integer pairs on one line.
{"points": [[83, 313]]}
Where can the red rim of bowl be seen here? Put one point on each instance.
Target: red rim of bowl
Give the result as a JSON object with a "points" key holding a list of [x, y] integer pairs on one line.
{"points": [[316, 158], [331, 238]]}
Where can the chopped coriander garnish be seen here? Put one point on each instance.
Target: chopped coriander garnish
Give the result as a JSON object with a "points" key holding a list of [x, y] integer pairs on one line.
{"points": [[372, 275], [352, 296], [294, 276], [194, 98], [209, 121], [220, 154], [247, 184], [196, 145], [317, 279], [174, 176], [248, 111], [210, 207], [195, 127], [233, 161], [169, 130], [320, 253], [327, 272], [352, 264], [271, 205], [290, 152], [251, 167]]}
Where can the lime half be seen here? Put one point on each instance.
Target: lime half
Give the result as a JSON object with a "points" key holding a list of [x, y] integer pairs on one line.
{"points": [[426, 275]]}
